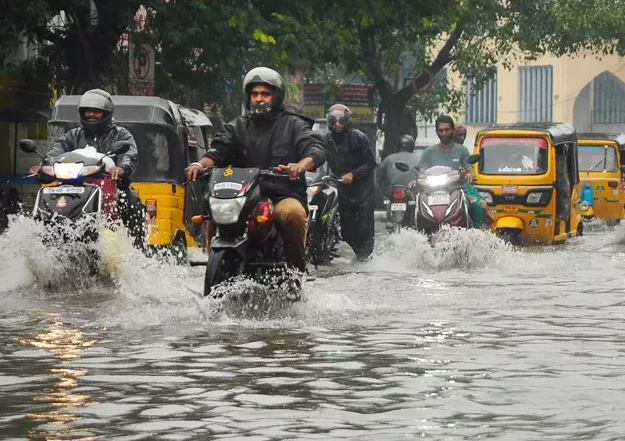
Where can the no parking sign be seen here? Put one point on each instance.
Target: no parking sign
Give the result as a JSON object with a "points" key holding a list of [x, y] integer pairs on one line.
{"points": [[140, 69]]}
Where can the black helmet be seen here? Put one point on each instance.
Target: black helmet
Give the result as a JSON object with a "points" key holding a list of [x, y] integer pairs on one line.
{"points": [[96, 99], [266, 77], [406, 144], [339, 113]]}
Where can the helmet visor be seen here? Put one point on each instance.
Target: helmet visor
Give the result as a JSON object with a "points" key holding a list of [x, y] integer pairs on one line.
{"points": [[336, 117]]}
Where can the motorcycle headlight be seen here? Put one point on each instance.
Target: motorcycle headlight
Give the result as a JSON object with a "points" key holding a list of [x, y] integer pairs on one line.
{"points": [[69, 170], [311, 191], [488, 198], [436, 181], [226, 211]]}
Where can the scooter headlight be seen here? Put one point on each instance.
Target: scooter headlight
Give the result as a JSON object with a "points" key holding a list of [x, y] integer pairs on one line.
{"points": [[226, 211], [436, 181], [69, 170]]}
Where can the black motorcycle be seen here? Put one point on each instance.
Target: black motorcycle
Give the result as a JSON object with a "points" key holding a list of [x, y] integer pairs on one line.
{"points": [[247, 242], [323, 219], [400, 205]]}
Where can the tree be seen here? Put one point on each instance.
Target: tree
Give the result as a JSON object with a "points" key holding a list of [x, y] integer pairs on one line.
{"points": [[470, 36], [77, 38]]}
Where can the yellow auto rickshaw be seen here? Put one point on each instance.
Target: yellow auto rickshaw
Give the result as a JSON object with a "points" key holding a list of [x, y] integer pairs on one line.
{"points": [[528, 175], [601, 159], [168, 137]]}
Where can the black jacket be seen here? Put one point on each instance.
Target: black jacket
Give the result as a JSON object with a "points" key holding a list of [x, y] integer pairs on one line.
{"points": [[354, 154], [76, 139], [286, 137]]}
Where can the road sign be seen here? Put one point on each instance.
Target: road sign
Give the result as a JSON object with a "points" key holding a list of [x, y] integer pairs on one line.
{"points": [[140, 69]]}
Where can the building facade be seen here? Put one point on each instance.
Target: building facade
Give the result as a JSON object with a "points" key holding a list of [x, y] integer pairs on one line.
{"points": [[584, 91]]}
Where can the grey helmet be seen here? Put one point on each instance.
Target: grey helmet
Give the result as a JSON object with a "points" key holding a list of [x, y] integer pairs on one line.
{"points": [[267, 77], [406, 144], [96, 99]]}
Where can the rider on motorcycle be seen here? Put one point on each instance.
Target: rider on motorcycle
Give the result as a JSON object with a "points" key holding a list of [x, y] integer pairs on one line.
{"points": [[98, 129], [451, 154], [271, 136], [388, 175]]}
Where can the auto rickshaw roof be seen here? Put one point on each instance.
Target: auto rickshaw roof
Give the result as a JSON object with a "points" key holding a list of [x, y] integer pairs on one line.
{"points": [[619, 138], [128, 109], [558, 132]]}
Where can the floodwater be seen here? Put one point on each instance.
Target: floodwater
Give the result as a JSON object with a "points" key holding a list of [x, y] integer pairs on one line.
{"points": [[469, 340]]}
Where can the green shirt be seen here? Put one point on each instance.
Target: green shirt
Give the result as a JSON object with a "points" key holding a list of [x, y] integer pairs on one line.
{"points": [[453, 158]]}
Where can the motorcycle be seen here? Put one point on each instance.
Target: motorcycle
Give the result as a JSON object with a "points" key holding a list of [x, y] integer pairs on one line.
{"points": [[400, 207], [323, 219], [441, 198], [81, 194], [247, 242]]}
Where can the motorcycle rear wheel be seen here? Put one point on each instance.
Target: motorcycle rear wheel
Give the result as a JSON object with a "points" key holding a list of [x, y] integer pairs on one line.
{"points": [[222, 265]]}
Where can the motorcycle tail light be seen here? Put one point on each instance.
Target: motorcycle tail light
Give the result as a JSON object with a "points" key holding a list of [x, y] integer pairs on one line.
{"points": [[264, 212], [399, 194]]}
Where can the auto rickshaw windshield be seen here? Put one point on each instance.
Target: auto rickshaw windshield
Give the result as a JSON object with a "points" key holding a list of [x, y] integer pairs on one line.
{"points": [[517, 156], [597, 158]]}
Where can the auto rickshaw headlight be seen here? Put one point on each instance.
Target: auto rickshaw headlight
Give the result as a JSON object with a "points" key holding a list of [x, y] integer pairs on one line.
{"points": [[584, 205], [534, 197], [488, 198]]}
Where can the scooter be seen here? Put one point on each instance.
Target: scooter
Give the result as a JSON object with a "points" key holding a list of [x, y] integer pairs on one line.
{"points": [[400, 207], [441, 198], [323, 233], [81, 195], [247, 242]]}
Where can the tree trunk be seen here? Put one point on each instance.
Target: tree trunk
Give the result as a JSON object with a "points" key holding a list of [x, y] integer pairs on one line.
{"points": [[398, 121]]}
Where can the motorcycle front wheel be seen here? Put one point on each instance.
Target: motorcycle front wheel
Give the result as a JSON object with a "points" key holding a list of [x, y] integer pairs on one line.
{"points": [[222, 265]]}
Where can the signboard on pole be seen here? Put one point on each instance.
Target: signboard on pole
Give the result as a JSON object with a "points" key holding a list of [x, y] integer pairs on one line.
{"points": [[140, 69]]}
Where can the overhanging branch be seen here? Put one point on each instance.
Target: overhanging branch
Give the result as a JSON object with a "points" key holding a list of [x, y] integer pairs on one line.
{"points": [[443, 58]]}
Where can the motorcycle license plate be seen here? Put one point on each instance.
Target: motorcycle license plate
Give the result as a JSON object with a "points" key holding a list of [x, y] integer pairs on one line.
{"points": [[438, 199], [64, 190], [398, 206]]}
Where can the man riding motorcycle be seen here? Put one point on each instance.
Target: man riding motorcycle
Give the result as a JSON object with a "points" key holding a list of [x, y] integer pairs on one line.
{"points": [[270, 136], [388, 175], [98, 129], [451, 154]]}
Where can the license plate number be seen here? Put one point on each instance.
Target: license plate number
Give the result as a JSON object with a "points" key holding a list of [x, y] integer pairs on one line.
{"points": [[438, 199], [510, 189], [64, 190], [398, 206]]}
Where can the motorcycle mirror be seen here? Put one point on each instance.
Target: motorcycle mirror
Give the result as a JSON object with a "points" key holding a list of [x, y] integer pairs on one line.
{"points": [[29, 146], [402, 166], [472, 159], [119, 147]]}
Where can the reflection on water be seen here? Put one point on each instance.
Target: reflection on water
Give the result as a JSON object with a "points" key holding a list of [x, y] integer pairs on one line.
{"points": [[469, 339], [64, 338]]}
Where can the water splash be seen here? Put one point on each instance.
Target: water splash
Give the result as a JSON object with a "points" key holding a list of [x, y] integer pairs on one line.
{"points": [[454, 248]]}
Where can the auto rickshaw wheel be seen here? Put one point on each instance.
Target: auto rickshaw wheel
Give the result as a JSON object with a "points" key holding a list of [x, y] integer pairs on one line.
{"points": [[580, 229]]}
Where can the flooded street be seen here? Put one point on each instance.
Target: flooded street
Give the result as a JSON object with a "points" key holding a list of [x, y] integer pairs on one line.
{"points": [[470, 340]]}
